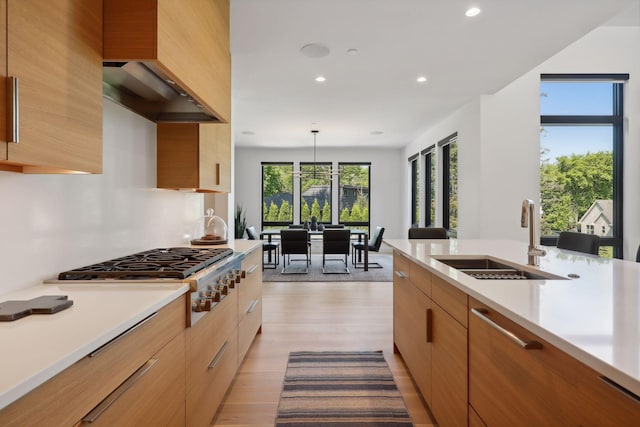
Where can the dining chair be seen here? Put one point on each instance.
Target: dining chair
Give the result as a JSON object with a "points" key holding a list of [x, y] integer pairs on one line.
{"points": [[428, 233], [374, 244], [333, 226], [294, 242], [252, 234], [336, 242], [579, 242]]}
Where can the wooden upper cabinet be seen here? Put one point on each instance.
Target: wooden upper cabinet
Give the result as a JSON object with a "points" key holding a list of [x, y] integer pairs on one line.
{"points": [[54, 53], [187, 41], [194, 156]]}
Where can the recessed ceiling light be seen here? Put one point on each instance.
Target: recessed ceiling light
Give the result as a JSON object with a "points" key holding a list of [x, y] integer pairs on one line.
{"points": [[376, 132], [320, 79], [248, 132], [421, 79], [315, 50], [472, 11], [352, 52]]}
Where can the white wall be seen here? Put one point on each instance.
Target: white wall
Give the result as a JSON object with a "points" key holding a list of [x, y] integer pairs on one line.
{"points": [[498, 140], [51, 223], [387, 172]]}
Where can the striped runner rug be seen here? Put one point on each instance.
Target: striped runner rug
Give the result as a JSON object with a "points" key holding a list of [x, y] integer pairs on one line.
{"points": [[329, 389]]}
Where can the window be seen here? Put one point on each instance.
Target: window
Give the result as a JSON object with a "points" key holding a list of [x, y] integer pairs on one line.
{"points": [[353, 196], [415, 190], [430, 186], [277, 195], [581, 157], [315, 192], [449, 148]]}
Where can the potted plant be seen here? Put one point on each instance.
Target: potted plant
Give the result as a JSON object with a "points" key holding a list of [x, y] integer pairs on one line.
{"points": [[240, 222]]}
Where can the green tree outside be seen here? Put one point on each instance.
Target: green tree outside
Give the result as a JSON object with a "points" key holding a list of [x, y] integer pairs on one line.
{"points": [[285, 213], [344, 215], [305, 213], [273, 212], [326, 212], [315, 208], [356, 215]]}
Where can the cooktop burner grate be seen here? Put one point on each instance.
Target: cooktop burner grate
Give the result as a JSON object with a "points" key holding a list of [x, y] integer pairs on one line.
{"points": [[161, 263]]}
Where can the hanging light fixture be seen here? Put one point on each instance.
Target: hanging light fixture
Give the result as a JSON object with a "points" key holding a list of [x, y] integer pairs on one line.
{"points": [[316, 173]]}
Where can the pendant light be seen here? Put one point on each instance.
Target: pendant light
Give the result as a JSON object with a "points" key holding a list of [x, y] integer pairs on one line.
{"points": [[315, 173]]}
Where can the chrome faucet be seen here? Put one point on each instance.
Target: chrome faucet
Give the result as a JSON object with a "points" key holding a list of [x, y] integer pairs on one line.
{"points": [[527, 215]]}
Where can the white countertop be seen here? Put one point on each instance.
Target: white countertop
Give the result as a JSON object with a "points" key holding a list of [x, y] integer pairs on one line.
{"points": [[594, 318]]}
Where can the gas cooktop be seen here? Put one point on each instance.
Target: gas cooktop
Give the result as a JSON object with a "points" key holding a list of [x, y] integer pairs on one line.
{"points": [[160, 263]]}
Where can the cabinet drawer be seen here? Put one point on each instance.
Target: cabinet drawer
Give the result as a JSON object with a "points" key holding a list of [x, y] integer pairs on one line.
{"points": [[71, 394], [155, 397], [250, 287], [401, 263], [209, 385], [451, 299], [420, 277], [249, 325]]}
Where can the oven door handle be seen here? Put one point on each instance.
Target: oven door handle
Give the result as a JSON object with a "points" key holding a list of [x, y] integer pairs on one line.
{"points": [[127, 332]]}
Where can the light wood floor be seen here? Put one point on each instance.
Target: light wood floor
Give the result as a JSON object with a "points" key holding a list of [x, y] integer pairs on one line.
{"points": [[314, 316]]}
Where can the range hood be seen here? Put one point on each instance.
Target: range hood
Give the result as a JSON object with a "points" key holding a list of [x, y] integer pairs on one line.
{"points": [[143, 88]]}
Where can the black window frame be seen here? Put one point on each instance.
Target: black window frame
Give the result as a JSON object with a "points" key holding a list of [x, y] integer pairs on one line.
{"points": [[366, 224], [429, 184], [267, 224], [324, 165], [445, 147], [414, 167], [616, 120]]}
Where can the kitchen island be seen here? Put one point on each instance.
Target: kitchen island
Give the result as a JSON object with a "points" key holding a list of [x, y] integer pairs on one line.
{"points": [[590, 312]]}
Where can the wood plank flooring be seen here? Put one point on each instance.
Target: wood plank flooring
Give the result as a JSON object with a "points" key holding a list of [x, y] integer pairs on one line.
{"points": [[314, 316]]}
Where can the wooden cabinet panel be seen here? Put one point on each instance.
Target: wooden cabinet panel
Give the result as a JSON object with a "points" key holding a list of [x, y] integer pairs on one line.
{"points": [[411, 333], [156, 398], [450, 298], [449, 369], [187, 41], [474, 418], [74, 392], [249, 326], [56, 54], [420, 277], [194, 156], [250, 302]]}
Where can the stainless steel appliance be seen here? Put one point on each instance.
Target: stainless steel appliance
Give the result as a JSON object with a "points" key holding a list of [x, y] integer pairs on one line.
{"points": [[210, 272]]}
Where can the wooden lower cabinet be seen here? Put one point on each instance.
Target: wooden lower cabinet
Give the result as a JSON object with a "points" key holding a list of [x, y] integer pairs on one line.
{"points": [[474, 418], [250, 302], [512, 385]]}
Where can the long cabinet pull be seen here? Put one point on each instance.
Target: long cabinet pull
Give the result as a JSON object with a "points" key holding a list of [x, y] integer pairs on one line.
{"points": [[252, 269], [218, 356], [13, 125], [122, 335], [631, 395], [400, 274], [429, 337], [252, 306], [527, 345], [116, 394]]}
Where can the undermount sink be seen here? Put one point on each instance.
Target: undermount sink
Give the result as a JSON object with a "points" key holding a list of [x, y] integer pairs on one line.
{"points": [[484, 268]]}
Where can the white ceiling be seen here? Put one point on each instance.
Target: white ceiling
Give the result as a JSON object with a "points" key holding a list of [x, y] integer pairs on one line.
{"points": [[276, 101]]}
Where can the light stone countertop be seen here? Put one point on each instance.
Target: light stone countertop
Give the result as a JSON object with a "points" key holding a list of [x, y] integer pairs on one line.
{"points": [[594, 318]]}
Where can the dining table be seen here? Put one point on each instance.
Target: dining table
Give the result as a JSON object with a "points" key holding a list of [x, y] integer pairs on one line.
{"points": [[363, 235]]}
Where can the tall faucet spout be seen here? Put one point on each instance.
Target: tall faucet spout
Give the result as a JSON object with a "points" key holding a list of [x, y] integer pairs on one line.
{"points": [[527, 219]]}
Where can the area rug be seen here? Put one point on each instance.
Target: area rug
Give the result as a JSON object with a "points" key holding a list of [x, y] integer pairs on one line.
{"points": [[329, 389], [335, 267]]}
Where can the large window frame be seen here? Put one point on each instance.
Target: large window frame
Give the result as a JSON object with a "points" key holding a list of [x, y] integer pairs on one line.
{"points": [[322, 171], [616, 120], [450, 183], [429, 198], [265, 223], [414, 167], [354, 224]]}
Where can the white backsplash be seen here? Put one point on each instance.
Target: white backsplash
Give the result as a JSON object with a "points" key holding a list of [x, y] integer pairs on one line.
{"points": [[51, 223]]}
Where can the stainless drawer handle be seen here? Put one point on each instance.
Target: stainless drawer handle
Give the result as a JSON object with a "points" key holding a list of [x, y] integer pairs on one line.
{"points": [[252, 306], [400, 274], [116, 394], [219, 355], [527, 345], [122, 335], [13, 124], [252, 269], [631, 395]]}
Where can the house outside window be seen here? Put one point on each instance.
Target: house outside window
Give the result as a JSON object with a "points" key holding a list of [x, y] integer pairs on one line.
{"points": [[315, 192], [581, 149], [449, 150], [353, 194], [277, 195]]}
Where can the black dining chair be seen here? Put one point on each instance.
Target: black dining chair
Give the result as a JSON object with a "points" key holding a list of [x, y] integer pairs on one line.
{"points": [[428, 233], [336, 242], [333, 226], [269, 247], [638, 254], [294, 242], [579, 242], [374, 244]]}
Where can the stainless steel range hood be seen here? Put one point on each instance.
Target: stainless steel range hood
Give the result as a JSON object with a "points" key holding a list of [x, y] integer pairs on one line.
{"points": [[143, 88]]}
